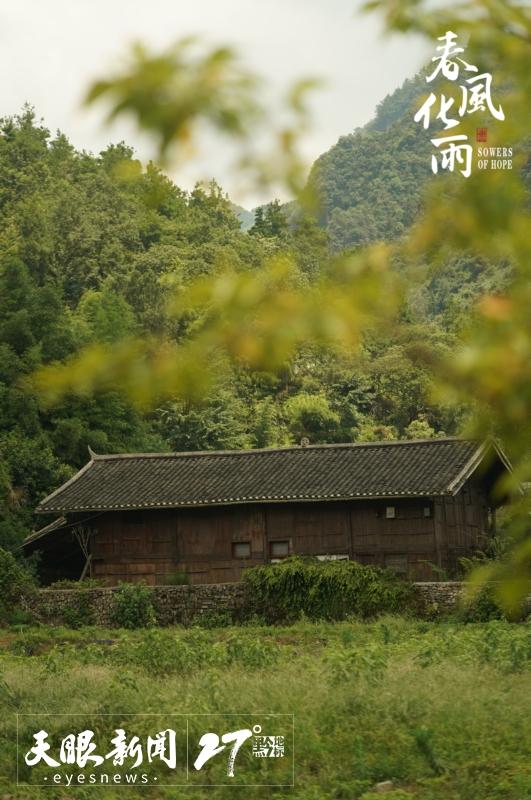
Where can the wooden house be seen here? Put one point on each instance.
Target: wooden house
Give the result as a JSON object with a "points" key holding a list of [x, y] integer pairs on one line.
{"points": [[413, 506]]}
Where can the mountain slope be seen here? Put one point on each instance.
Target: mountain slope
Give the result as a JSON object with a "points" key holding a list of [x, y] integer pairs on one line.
{"points": [[370, 183]]}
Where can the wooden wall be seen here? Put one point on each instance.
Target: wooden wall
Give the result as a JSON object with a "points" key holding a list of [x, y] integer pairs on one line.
{"points": [[152, 545], [461, 525], [133, 546]]}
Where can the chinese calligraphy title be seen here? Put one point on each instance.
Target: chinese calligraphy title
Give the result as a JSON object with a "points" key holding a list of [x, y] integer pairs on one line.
{"points": [[455, 149]]}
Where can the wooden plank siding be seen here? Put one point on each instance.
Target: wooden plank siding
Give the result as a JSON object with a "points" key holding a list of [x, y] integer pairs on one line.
{"points": [[462, 523], [153, 544]]}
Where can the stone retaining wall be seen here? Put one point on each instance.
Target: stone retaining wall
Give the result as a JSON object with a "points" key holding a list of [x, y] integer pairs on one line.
{"points": [[173, 605], [183, 605], [441, 597]]}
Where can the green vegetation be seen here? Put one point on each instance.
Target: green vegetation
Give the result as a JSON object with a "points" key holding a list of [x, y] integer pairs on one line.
{"points": [[15, 583], [441, 710], [133, 607], [169, 300], [279, 593], [86, 583], [263, 321], [325, 590], [377, 305], [91, 245], [370, 184]]}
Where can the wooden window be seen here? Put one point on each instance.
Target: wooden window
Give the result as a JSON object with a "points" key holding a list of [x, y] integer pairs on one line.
{"points": [[396, 562], [390, 512], [279, 549], [241, 549], [427, 511]]}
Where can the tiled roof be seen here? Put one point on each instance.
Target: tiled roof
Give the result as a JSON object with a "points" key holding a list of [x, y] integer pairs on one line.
{"points": [[325, 472]]}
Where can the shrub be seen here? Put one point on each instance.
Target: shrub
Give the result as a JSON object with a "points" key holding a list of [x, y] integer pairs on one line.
{"points": [[368, 663], [214, 619], [324, 590], [482, 608], [20, 616], [80, 614], [15, 583], [161, 654], [251, 651], [133, 607]]}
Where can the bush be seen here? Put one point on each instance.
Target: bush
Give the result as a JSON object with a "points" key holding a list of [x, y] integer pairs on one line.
{"points": [[133, 607], [251, 651], [20, 616], [15, 583], [482, 608], [214, 619], [80, 614], [324, 590], [160, 654]]}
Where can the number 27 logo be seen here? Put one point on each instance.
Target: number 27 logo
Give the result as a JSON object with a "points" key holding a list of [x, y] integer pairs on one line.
{"points": [[211, 747]]}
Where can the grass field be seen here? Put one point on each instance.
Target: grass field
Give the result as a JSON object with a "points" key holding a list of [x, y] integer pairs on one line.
{"points": [[443, 710]]}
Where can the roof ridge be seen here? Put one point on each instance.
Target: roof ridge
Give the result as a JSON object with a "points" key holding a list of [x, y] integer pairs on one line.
{"points": [[288, 448]]}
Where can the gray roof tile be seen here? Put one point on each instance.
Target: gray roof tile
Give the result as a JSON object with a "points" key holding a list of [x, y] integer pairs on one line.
{"points": [[325, 472]]}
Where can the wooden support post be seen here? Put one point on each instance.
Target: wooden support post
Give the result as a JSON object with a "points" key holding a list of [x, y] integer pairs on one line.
{"points": [[86, 568]]}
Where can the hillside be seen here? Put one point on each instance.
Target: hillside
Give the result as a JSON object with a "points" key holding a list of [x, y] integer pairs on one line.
{"points": [[370, 186], [370, 182]]}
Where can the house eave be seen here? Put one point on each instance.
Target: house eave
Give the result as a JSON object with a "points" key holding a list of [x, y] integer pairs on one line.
{"points": [[45, 531], [455, 486], [244, 501]]}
